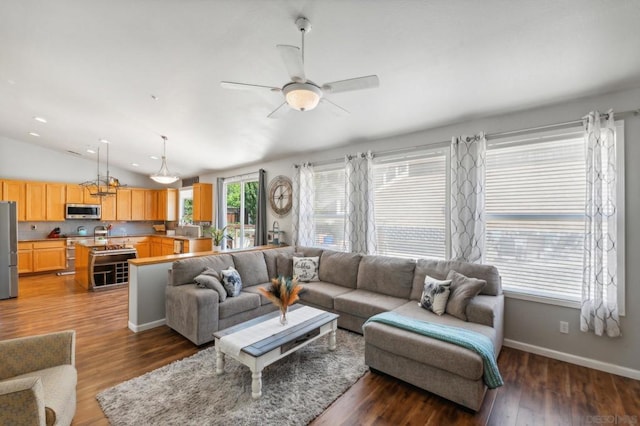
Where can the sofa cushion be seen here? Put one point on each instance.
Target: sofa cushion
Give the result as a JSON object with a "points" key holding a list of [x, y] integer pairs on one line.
{"points": [[440, 268], [59, 389], [254, 289], [284, 264], [270, 259], [232, 281], [365, 303], [309, 251], [245, 301], [392, 276], [252, 267], [319, 293], [306, 268], [435, 295], [339, 268], [463, 289], [211, 281], [185, 270]]}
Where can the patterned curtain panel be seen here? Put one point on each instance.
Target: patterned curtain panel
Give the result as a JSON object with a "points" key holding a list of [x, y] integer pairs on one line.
{"points": [[303, 192], [360, 229], [261, 220], [599, 279], [221, 220], [467, 198]]}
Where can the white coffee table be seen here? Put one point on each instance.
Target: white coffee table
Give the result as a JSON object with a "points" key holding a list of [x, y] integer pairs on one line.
{"points": [[281, 341]]}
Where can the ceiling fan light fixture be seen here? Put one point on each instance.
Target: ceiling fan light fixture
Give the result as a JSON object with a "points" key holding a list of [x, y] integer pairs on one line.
{"points": [[302, 96], [164, 176]]}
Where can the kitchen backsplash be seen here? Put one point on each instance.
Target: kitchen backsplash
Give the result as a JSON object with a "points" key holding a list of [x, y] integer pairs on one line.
{"points": [[70, 227]]}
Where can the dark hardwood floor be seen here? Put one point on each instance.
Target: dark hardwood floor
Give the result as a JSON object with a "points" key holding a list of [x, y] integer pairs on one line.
{"points": [[537, 390]]}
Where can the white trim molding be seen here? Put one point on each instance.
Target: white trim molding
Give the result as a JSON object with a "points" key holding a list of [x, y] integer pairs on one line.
{"points": [[147, 326], [574, 359]]}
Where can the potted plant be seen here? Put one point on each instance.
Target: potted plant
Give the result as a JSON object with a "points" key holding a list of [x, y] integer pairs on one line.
{"points": [[218, 235]]}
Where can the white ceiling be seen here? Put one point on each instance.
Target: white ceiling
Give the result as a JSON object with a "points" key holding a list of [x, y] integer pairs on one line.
{"points": [[90, 67]]}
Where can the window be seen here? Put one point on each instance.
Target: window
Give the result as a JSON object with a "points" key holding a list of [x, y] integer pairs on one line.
{"points": [[535, 200], [329, 207], [241, 209], [411, 204], [186, 205]]}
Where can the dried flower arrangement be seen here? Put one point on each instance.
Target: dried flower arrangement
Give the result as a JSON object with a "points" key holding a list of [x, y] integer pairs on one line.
{"points": [[282, 292]]}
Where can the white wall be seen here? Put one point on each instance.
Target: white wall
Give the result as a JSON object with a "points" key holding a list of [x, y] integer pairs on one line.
{"points": [[24, 161], [530, 322]]}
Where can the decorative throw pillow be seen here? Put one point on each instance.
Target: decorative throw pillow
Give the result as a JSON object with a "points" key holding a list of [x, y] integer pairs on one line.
{"points": [[306, 268], [208, 281], [463, 289], [435, 295], [284, 264], [231, 281]]}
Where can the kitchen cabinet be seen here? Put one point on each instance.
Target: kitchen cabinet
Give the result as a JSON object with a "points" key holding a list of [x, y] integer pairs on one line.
{"points": [[56, 197], [25, 258], [143, 248], [108, 208], [202, 202], [15, 190], [155, 246], [41, 256], [167, 246], [138, 204], [75, 194], [123, 204], [151, 204], [198, 245], [167, 204], [87, 197], [36, 201]]}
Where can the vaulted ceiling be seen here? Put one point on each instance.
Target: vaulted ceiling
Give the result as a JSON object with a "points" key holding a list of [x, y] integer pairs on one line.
{"points": [[93, 68]]}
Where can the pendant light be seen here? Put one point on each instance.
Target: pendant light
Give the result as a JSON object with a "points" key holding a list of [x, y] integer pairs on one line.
{"points": [[164, 176]]}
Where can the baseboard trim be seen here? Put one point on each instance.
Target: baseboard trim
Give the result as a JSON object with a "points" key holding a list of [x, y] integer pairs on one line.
{"points": [[574, 359], [146, 326]]}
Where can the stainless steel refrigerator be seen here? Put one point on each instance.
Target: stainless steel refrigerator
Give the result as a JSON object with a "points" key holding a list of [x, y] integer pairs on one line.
{"points": [[8, 250]]}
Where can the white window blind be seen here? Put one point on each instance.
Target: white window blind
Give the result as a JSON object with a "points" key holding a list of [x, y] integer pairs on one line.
{"points": [[535, 200], [329, 207], [410, 204]]}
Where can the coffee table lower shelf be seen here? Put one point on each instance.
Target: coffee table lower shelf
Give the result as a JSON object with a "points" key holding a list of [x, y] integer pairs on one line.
{"points": [[265, 352]]}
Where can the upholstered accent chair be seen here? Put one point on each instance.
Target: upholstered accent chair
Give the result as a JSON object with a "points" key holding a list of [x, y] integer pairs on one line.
{"points": [[38, 379]]}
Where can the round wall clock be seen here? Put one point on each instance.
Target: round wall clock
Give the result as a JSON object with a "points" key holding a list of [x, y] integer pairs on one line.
{"points": [[280, 195]]}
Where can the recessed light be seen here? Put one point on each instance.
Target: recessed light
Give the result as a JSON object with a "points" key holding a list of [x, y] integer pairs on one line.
{"points": [[103, 140], [34, 134], [40, 119], [91, 151], [153, 157], [135, 164]]}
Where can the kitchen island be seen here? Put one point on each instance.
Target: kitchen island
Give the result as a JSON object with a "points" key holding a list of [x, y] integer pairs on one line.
{"points": [[101, 266]]}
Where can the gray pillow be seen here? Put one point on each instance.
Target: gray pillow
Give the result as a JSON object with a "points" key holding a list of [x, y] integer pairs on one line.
{"points": [[231, 281], [208, 281], [284, 264], [463, 289]]}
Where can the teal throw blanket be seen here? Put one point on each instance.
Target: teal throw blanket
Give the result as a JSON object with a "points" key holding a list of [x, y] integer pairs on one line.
{"points": [[458, 336]]}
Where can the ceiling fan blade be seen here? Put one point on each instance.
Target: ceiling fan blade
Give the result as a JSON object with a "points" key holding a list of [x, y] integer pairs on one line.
{"points": [[335, 108], [245, 86], [292, 58], [279, 112], [358, 83]]}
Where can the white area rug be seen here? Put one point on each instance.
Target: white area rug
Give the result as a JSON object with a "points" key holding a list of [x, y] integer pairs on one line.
{"points": [[295, 390]]}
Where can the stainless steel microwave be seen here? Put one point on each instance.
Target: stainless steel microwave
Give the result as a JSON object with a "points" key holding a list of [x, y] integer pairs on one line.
{"points": [[83, 211]]}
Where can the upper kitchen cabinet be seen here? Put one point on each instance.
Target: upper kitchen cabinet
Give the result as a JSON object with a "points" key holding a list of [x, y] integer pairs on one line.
{"points": [[151, 204], [36, 200], [75, 194], [88, 198], [138, 203], [56, 197], [167, 204], [108, 208], [15, 190], [123, 204], [202, 202]]}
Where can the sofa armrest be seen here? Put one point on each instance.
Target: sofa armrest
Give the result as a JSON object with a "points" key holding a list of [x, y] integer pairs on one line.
{"points": [[22, 402], [33, 353], [192, 312], [488, 310]]}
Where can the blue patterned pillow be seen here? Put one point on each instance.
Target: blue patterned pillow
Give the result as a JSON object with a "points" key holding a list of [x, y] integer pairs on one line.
{"points": [[232, 282], [435, 295]]}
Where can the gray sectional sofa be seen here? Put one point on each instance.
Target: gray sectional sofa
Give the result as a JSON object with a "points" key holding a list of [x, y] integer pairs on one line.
{"points": [[356, 287]]}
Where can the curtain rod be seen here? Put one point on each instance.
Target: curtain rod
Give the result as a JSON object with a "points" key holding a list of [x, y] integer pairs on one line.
{"points": [[624, 114]]}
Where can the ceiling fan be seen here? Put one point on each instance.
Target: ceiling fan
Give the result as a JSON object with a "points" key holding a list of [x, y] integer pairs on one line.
{"points": [[300, 93]]}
